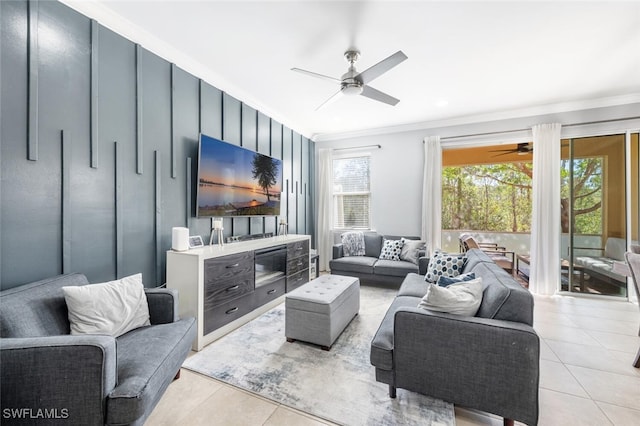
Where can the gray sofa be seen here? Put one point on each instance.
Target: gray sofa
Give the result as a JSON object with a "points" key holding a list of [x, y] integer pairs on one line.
{"points": [[370, 268], [489, 362], [85, 379]]}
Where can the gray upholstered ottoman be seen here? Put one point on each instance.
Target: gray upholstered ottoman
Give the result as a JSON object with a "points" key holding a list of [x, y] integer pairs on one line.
{"points": [[319, 311]]}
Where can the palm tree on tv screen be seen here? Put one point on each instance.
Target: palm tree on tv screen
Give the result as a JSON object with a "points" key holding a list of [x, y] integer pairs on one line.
{"points": [[265, 169]]}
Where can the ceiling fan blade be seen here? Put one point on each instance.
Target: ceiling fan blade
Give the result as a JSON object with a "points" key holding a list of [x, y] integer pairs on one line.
{"points": [[505, 153], [315, 74], [503, 150], [380, 68], [377, 95], [331, 100]]}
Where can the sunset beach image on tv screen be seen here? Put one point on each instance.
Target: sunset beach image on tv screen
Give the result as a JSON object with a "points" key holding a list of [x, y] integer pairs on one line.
{"points": [[235, 181]]}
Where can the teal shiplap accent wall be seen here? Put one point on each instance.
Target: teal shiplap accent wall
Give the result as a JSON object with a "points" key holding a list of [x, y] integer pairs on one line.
{"points": [[99, 149]]}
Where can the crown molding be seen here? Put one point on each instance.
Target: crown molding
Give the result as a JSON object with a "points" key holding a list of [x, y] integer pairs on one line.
{"points": [[481, 118]]}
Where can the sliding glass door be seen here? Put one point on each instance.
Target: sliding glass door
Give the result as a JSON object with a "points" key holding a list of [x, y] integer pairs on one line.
{"points": [[594, 214]]}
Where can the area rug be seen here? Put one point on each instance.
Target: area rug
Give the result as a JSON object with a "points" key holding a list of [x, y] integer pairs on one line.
{"points": [[337, 385]]}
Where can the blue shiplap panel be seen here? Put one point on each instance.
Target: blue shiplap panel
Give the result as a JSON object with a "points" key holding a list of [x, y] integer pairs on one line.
{"points": [[264, 134], [231, 120], [99, 192], [186, 100], [140, 229], [210, 111], [14, 89], [249, 128]]}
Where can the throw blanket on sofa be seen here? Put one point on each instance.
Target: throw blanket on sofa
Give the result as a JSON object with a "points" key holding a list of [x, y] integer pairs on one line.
{"points": [[353, 243]]}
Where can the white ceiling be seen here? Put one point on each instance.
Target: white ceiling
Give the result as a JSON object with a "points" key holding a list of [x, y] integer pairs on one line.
{"points": [[465, 58]]}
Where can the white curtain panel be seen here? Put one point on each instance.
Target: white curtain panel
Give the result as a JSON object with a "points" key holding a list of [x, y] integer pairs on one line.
{"points": [[545, 221], [432, 194], [325, 207]]}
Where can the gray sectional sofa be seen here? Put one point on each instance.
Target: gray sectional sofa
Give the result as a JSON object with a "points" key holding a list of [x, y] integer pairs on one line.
{"points": [[489, 362], [370, 268], [86, 379]]}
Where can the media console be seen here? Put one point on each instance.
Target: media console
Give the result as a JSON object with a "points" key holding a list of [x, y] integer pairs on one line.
{"points": [[224, 287]]}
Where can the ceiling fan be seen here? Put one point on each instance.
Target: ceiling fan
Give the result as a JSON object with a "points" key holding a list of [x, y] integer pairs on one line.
{"points": [[520, 149], [357, 83]]}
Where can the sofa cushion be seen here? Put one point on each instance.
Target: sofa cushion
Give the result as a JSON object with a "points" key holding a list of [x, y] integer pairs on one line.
{"points": [[372, 244], [110, 308], [148, 360], [37, 309], [448, 264], [360, 264], [391, 250], [413, 285], [394, 268], [461, 298], [382, 343]]}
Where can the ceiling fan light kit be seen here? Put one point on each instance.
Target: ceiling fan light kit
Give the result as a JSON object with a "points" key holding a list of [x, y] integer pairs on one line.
{"points": [[356, 83]]}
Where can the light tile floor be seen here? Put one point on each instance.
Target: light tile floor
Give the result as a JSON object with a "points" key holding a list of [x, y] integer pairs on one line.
{"points": [[586, 377]]}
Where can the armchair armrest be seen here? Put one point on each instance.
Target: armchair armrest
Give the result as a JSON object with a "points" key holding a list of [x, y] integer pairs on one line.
{"points": [[163, 305], [70, 374], [459, 358], [423, 265], [338, 251]]}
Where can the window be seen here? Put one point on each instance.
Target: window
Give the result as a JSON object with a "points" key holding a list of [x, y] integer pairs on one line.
{"points": [[351, 192]]}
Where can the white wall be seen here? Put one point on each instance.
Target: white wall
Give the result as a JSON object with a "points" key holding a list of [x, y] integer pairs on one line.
{"points": [[396, 169], [396, 180]]}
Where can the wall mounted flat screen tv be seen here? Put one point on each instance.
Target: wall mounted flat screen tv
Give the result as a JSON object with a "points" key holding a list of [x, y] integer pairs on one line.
{"points": [[236, 181]]}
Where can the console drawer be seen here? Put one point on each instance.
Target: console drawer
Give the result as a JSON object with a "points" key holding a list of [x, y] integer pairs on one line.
{"points": [[296, 280], [227, 267], [218, 292], [298, 264], [223, 314], [268, 292], [297, 249]]}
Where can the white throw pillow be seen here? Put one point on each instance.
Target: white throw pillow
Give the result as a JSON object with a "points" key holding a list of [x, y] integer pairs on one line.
{"points": [[111, 308], [462, 298]]}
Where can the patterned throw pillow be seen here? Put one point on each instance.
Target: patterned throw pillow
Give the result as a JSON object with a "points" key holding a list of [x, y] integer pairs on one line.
{"points": [[391, 249], [447, 281], [449, 265]]}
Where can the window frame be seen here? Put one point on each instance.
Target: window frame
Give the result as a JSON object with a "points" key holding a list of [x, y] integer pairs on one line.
{"points": [[335, 194]]}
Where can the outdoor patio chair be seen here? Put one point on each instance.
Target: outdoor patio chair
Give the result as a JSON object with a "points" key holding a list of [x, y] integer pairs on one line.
{"points": [[500, 255]]}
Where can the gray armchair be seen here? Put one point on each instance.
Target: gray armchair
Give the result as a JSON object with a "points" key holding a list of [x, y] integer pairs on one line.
{"points": [[85, 379]]}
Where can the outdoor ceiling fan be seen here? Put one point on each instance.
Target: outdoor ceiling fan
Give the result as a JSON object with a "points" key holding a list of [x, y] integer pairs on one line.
{"points": [[357, 83], [520, 149]]}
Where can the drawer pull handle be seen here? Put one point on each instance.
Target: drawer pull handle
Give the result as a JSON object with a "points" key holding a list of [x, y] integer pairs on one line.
{"points": [[235, 265], [232, 310], [271, 291], [300, 263], [298, 248], [233, 288]]}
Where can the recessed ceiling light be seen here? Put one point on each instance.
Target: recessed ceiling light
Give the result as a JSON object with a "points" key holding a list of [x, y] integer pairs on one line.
{"points": [[442, 103]]}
